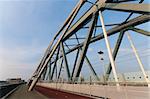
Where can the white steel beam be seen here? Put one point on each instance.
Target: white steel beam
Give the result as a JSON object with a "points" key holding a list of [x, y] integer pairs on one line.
{"points": [[109, 49], [138, 59]]}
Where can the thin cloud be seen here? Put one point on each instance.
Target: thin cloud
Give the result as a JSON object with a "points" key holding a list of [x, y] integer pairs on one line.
{"points": [[19, 58]]}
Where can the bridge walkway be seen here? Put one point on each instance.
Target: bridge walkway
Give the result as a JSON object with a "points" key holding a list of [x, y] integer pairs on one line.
{"points": [[22, 93]]}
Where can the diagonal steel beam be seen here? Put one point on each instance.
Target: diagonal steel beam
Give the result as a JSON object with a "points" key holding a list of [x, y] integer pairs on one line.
{"points": [[133, 22], [88, 63], [147, 33], [75, 10], [61, 66], [75, 62], [113, 65], [138, 59], [85, 18], [35, 79], [48, 57], [49, 72], [91, 68], [65, 60], [87, 60], [115, 52], [56, 35], [44, 74], [136, 8], [85, 47], [55, 64]]}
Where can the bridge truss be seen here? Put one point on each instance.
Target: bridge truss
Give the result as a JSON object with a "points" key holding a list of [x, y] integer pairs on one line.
{"points": [[69, 39]]}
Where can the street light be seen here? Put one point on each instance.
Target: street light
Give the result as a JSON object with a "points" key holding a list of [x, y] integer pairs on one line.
{"points": [[100, 52], [102, 61]]}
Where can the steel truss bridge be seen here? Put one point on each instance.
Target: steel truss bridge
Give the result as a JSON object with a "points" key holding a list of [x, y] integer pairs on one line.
{"points": [[55, 60]]}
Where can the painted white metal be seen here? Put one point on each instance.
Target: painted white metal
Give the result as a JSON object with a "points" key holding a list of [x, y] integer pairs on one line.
{"points": [[138, 59], [108, 48]]}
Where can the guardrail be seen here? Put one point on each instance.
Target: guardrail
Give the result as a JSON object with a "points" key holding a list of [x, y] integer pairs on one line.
{"points": [[111, 83], [99, 90], [5, 89]]}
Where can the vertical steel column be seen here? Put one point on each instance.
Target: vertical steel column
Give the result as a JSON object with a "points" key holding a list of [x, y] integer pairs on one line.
{"points": [[138, 59], [75, 62], [55, 64], [87, 60], [56, 73], [65, 60], [108, 48], [49, 71], [53, 70], [91, 68], [85, 46], [44, 73], [115, 52], [60, 68]]}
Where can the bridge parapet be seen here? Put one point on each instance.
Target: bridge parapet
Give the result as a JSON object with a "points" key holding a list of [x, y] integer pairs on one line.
{"points": [[98, 91]]}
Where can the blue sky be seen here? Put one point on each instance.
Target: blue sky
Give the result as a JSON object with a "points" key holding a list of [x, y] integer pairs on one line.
{"points": [[26, 28]]}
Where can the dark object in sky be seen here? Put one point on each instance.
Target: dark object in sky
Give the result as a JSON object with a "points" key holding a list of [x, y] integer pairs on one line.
{"points": [[100, 52]]}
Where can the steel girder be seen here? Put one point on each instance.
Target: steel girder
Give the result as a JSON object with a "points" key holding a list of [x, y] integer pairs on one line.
{"points": [[49, 55], [141, 31], [85, 47], [55, 64], [65, 61], [133, 22], [87, 17], [126, 26], [86, 59], [116, 49], [49, 72], [75, 62], [61, 66], [136, 8], [101, 6], [48, 50]]}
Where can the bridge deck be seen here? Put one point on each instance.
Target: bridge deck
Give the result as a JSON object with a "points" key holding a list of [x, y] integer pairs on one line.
{"points": [[113, 92], [22, 93]]}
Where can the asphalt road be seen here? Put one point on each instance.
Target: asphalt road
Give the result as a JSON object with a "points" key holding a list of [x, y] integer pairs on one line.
{"points": [[22, 93]]}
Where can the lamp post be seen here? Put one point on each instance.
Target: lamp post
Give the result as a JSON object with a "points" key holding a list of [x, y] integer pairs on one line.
{"points": [[102, 61]]}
